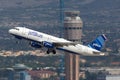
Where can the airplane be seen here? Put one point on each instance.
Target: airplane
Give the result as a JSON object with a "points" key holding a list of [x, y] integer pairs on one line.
{"points": [[52, 43]]}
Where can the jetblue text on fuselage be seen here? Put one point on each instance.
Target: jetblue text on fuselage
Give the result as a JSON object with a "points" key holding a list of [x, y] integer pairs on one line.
{"points": [[33, 33]]}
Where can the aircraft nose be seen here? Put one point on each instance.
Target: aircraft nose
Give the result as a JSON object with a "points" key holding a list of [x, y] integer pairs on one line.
{"points": [[10, 31]]}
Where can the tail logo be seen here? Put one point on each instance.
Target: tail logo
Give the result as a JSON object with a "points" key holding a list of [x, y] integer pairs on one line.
{"points": [[98, 42], [96, 45]]}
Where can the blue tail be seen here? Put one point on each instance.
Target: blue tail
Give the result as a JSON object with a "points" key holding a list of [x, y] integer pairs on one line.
{"points": [[98, 42]]}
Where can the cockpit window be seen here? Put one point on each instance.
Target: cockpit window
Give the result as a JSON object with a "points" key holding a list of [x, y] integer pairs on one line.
{"points": [[16, 28]]}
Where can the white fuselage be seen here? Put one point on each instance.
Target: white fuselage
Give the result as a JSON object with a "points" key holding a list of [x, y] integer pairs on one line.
{"points": [[39, 37]]}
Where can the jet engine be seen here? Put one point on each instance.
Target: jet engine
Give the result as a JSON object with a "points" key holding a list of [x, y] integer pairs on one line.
{"points": [[35, 44], [18, 37], [48, 44]]}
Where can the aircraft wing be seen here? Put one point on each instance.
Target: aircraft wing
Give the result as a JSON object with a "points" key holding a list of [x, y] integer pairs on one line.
{"points": [[60, 44], [57, 44]]}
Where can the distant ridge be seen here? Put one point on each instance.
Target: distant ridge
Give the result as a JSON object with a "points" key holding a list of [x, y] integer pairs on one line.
{"points": [[75, 4], [22, 3]]}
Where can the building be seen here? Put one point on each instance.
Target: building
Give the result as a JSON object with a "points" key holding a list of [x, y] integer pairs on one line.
{"points": [[113, 77], [73, 26], [22, 75], [101, 77], [19, 72], [73, 32], [42, 74], [4, 74]]}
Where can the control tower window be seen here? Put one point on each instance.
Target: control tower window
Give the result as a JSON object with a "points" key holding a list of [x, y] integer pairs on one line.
{"points": [[73, 28]]}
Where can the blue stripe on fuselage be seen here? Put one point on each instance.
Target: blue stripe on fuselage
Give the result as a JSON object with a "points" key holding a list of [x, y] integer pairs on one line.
{"points": [[67, 51]]}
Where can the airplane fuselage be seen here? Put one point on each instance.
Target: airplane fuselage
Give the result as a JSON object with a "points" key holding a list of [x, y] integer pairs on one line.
{"points": [[42, 37]]}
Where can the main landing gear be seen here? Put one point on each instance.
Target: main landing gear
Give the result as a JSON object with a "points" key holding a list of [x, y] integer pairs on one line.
{"points": [[51, 50]]}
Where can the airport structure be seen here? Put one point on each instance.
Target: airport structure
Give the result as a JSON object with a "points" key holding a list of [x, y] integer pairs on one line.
{"points": [[19, 73], [73, 32]]}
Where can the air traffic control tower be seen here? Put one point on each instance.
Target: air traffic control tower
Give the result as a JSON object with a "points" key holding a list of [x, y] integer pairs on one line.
{"points": [[73, 32]]}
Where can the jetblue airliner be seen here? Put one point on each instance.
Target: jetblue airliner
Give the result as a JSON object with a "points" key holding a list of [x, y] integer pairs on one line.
{"points": [[39, 40]]}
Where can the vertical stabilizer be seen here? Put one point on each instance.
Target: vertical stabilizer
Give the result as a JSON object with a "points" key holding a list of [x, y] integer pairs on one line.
{"points": [[98, 42]]}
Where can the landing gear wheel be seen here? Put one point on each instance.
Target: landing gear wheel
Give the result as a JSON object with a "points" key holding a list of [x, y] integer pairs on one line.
{"points": [[51, 50], [48, 52], [54, 52]]}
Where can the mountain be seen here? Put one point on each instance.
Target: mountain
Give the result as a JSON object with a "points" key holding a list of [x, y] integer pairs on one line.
{"points": [[70, 4], [99, 16], [22, 3]]}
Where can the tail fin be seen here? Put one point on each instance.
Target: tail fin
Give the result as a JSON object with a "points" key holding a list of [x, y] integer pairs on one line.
{"points": [[98, 42]]}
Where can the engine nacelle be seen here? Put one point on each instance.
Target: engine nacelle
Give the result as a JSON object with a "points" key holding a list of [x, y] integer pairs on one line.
{"points": [[48, 44], [35, 44], [18, 37]]}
